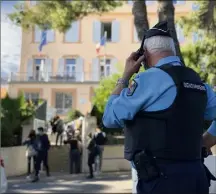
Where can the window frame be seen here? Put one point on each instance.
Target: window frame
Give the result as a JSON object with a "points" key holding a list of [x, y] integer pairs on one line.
{"points": [[71, 66], [40, 31], [105, 65], [103, 31], [30, 93], [62, 109]]}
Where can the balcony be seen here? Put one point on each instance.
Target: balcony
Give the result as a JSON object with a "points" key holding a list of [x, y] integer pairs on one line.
{"points": [[58, 77]]}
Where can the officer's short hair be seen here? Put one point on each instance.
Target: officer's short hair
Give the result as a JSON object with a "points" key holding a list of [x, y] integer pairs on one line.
{"points": [[156, 44]]}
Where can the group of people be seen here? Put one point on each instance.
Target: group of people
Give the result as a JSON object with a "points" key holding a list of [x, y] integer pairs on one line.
{"points": [[95, 146], [38, 145]]}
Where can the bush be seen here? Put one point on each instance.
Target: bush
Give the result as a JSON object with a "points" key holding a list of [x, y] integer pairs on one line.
{"points": [[74, 114], [14, 111]]}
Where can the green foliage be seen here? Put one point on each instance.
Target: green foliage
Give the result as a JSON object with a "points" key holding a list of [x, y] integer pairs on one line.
{"points": [[13, 112], [58, 14], [203, 20], [104, 90], [201, 57], [73, 114]]}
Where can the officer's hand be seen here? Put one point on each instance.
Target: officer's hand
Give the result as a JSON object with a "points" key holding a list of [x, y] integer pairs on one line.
{"points": [[132, 66]]}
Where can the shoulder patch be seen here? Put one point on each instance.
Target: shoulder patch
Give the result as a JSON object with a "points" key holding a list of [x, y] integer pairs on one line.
{"points": [[132, 88]]}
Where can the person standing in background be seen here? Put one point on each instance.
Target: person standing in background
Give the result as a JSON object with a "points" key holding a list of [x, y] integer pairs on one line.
{"points": [[93, 152], [43, 145], [100, 140], [74, 153], [31, 152], [59, 129]]}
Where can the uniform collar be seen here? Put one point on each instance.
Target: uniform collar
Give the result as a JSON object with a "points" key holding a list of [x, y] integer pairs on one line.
{"points": [[174, 60]]}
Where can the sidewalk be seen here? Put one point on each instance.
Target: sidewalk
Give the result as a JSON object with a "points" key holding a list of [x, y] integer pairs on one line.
{"points": [[61, 183]]}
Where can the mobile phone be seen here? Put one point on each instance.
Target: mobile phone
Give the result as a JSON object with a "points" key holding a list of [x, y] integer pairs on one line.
{"points": [[139, 53]]}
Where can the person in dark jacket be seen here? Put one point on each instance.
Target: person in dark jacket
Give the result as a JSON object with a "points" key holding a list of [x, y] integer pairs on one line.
{"points": [[100, 139], [93, 152], [42, 156], [59, 124], [74, 153], [31, 152]]}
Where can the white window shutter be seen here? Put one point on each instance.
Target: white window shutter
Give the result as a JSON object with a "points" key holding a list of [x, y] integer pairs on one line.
{"points": [[96, 31], [61, 65], [80, 69], [114, 65], [72, 35], [48, 71], [37, 34], [95, 69], [115, 31], [30, 68], [50, 36]]}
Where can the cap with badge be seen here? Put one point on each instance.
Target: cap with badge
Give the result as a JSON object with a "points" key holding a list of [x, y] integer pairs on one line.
{"points": [[160, 29]]}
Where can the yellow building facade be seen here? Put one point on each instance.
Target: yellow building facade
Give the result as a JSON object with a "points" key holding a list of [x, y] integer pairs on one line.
{"points": [[68, 69]]}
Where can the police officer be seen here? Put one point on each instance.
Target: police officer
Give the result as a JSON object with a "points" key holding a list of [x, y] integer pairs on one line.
{"points": [[163, 114]]}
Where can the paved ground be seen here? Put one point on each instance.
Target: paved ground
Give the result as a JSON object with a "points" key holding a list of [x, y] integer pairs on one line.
{"points": [[105, 183], [59, 183]]}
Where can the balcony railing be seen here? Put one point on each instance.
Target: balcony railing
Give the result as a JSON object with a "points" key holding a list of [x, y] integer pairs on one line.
{"points": [[62, 111], [58, 77]]}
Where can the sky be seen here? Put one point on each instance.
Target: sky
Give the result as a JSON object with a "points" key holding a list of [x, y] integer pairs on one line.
{"points": [[11, 38]]}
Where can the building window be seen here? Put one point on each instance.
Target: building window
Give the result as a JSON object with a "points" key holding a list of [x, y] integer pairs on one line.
{"points": [[112, 29], [149, 2], [32, 96], [50, 35], [39, 65], [73, 34], [105, 68], [63, 102], [178, 2], [70, 66], [106, 27]]}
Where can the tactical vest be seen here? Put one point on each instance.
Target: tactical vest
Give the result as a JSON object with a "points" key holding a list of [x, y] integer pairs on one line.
{"points": [[176, 132]]}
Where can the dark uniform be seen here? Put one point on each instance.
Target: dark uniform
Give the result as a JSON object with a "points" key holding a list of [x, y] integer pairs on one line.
{"points": [[163, 116]]}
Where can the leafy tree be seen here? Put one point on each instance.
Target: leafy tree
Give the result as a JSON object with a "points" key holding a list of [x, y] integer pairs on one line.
{"points": [[202, 20], [13, 112], [103, 91], [73, 114], [201, 56], [58, 14]]}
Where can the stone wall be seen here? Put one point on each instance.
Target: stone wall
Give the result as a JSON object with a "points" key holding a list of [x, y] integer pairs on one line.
{"points": [[16, 162]]}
